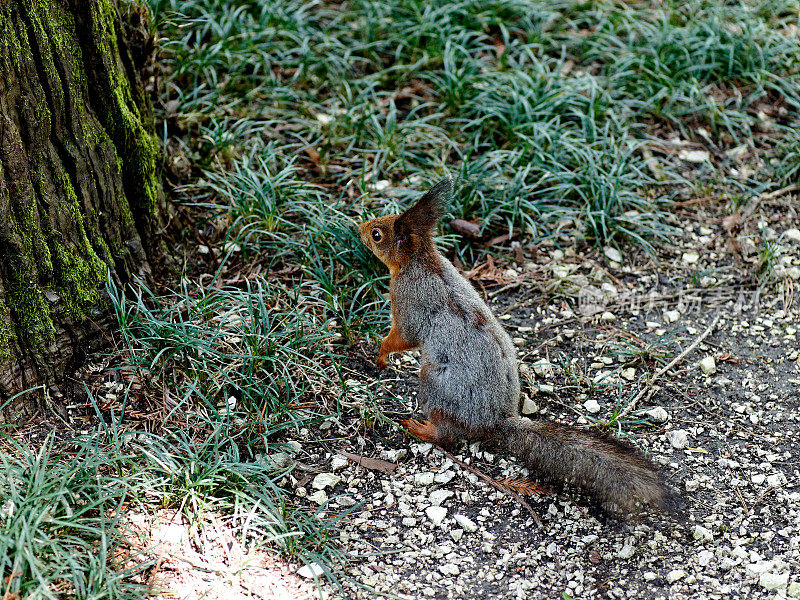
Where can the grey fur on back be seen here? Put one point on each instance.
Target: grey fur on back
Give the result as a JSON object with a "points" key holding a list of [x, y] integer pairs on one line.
{"points": [[469, 364]]}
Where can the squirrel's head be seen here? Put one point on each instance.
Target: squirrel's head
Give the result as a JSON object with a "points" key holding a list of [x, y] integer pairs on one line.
{"points": [[396, 238]]}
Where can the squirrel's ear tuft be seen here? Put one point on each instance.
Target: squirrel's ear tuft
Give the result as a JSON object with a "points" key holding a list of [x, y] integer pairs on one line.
{"points": [[423, 216]]}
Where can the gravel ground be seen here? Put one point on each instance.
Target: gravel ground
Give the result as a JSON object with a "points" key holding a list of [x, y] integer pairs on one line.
{"points": [[723, 423]]}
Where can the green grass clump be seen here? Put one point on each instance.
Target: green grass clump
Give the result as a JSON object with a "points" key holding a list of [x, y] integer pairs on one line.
{"points": [[250, 347], [697, 60], [61, 522]]}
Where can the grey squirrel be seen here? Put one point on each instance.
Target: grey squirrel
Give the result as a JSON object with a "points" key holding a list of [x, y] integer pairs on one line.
{"points": [[469, 378]]}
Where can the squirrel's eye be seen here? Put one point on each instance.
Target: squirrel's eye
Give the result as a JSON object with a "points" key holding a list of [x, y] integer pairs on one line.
{"points": [[377, 235]]}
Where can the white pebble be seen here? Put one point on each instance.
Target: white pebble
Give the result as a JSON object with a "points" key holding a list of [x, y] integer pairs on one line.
{"points": [[690, 258], [466, 523], [612, 254], [708, 365], [437, 497], [678, 438], [310, 571], [773, 581], [324, 480], [436, 514], [591, 406], [657, 414], [675, 575], [425, 478], [626, 551]]}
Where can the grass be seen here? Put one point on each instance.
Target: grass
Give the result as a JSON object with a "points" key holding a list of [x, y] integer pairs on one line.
{"points": [[299, 120], [61, 510]]}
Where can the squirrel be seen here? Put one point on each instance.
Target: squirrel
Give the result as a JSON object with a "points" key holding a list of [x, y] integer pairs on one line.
{"points": [[469, 376]]}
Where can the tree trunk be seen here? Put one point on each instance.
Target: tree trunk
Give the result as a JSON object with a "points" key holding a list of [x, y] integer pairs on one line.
{"points": [[79, 187]]}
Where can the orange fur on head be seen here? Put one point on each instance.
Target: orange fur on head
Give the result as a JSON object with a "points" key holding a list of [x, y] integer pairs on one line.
{"points": [[384, 248]]}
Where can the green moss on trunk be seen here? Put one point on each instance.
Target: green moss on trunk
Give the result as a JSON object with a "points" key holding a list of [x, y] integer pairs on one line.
{"points": [[79, 185]]}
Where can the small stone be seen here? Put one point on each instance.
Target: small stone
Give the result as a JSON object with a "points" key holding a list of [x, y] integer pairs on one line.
{"points": [[612, 254], [670, 316], [310, 571], [704, 557], [773, 581], [324, 480], [466, 523], [759, 567], [608, 316], [457, 534], [690, 258], [678, 438], [394, 455], [425, 478], [626, 551], [591, 406], [708, 365], [792, 234], [727, 564], [437, 497], [794, 589], [529, 407], [657, 414], [338, 462], [758, 478], [320, 497], [675, 575], [694, 156], [629, 373], [543, 368], [776, 479], [449, 569], [444, 476], [436, 514], [518, 341], [702, 534]]}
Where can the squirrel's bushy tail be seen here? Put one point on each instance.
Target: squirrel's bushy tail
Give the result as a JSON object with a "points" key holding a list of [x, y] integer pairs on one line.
{"points": [[614, 473]]}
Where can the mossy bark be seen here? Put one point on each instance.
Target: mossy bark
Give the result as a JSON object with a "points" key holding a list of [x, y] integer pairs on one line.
{"points": [[79, 187]]}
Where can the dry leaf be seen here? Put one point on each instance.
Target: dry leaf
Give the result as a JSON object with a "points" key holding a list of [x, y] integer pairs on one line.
{"points": [[732, 222], [466, 228], [312, 154], [374, 464]]}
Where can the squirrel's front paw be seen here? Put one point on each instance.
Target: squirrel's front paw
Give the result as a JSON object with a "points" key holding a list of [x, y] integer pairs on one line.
{"points": [[425, 431], [381, 362]]}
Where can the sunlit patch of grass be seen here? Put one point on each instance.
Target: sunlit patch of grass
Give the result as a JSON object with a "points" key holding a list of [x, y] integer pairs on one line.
{"points": [[61, 522]]}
